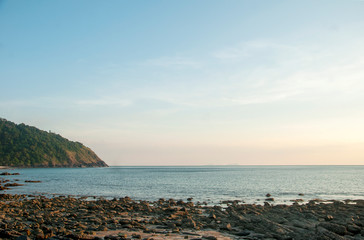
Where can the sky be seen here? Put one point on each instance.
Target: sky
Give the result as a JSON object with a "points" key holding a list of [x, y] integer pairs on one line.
{"points": [[189, 82]]}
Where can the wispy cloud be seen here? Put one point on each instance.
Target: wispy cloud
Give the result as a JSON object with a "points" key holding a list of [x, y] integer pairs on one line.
{"points": [[173, 62], [65, 102], [253, 48], [104, 102], [259, 99], [19, 103]]}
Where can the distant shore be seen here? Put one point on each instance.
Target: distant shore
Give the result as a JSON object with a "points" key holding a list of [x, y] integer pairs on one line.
{"points": [[66, 217]]}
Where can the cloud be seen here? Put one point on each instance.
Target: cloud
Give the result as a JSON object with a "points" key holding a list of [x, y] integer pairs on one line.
{"points": [[259, 99], [18, 103], [62, 102], [104, 102], [253, 48], [173, 62]]}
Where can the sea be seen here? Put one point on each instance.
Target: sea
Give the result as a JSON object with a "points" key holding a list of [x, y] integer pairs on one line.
{"points": [[210, 185]]}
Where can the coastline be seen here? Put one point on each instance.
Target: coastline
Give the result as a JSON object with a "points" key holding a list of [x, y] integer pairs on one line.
{"points": [[66, 217]]}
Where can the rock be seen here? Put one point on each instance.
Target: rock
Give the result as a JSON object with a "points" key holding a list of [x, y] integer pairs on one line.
{"points": [[353, 229], [324, 234], [189, 223], [268, 195], [269, 199], [301, 194], [242, 233], [38, 233], [210, 237], [9, 234], [335, 228], [129, 226], [227, 227], [23, 237], [137, 236], [8, 174], [13, 185]]}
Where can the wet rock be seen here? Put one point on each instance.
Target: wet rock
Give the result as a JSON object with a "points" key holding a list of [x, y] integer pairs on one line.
{"points": [[9, 234], [13, 185], [324, 234], [242, 233], [23, 237], [129, 226], [8, 174], [354, 229], [2, 188], [189, 223], [335, 228], [136, 236], [38, 233], [210, 237]]}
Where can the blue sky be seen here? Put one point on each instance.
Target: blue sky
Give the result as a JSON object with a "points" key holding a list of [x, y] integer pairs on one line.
{"points": [[189, 82]]}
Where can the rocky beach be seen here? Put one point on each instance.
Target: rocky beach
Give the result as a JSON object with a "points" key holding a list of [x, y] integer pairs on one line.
{"points": [[24, 216], [67, 217], [64, 217]]}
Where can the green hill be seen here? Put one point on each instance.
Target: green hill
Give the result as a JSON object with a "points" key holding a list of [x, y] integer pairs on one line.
{"points": [[26, 146]]}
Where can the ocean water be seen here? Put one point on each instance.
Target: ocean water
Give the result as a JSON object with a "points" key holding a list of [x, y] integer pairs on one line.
{"points": [[211, 184]]}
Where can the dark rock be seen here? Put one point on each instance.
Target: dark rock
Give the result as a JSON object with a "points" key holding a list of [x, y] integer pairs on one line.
{"points": [[137, 236], [210, 238], [335, 228], [9, 234], [227, 227], [8, 174], [13, 185], [268, 195], [242, 233], [189, 223], [324, 234], [353, 229], [23, 237]]}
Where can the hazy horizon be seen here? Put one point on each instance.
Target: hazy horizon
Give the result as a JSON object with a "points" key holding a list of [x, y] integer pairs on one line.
{"points": [[153, 83]]}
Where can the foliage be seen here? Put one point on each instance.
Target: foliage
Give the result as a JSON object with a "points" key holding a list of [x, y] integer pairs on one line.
{"points": [[26, 146]]}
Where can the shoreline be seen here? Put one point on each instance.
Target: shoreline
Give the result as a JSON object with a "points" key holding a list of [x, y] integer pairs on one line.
{"points": [[67, 217]]}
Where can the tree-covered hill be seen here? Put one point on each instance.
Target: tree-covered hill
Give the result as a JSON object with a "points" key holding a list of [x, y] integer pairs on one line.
{"points": [[26, 146]]}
